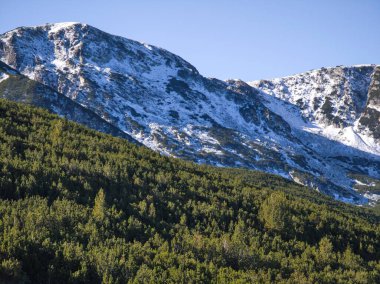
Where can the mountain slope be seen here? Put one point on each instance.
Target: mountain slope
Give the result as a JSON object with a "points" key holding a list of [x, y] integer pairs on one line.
{"points": [[80, 206], [163, 102], [17, 87]]}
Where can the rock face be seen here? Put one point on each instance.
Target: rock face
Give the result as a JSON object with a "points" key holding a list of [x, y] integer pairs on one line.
{"points": [[320, 128]]}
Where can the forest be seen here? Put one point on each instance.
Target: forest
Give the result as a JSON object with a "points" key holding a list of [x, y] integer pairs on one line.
{"points": [[80, 206]]}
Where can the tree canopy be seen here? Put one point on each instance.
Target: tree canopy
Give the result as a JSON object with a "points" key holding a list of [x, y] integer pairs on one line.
{"points": [[80, 206]]}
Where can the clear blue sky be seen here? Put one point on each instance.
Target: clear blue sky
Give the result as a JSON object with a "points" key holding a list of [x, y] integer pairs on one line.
{"points": [[227, 39]]}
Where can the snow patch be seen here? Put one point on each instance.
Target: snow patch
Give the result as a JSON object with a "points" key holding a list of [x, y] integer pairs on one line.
{"points": [[3, 76], [212, 150], [59, 26], [377, 108], [372, 196]]}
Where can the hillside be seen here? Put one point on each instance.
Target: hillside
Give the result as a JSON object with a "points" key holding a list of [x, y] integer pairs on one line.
{"points": [[81, 206], [19, 88], [162, 101]]}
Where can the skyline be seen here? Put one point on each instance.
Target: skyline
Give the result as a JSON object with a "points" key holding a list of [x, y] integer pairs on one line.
{"points": [[246, 40]]}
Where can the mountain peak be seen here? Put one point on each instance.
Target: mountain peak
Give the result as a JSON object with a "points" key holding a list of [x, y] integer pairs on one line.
{"points": [[54, 27], [51, 27], [318, 71]]}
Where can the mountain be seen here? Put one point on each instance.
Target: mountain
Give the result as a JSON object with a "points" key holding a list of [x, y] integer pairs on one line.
{"points": [[163, 102], [79, 206]]}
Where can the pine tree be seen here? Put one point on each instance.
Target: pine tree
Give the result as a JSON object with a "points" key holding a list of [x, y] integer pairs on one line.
{"points": [[100, 206], [275, 213]]}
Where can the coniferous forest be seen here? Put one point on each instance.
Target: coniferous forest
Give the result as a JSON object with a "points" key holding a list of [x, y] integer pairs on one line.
{"points": [[80, 206]]}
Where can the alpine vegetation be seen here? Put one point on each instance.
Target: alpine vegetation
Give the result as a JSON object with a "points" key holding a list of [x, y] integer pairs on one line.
{"points": [[80, 206]]}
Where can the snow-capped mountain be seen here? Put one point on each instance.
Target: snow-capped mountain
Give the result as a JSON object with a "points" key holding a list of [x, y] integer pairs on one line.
{"points": [[293, 126], [340, 103]]}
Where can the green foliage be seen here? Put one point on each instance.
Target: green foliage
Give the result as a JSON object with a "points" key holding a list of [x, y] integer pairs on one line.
{"points": [[99, 210], [275, 213], [80, 206]]}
